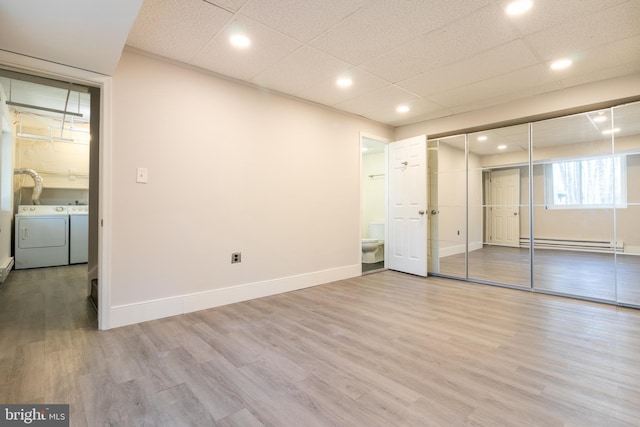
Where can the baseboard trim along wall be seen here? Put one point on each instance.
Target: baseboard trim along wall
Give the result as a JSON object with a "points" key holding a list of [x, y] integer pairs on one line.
{"points": [[129, 314], [459, 249]]}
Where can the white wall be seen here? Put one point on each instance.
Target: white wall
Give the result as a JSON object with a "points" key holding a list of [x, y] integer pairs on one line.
{"points": [[231, 169]]}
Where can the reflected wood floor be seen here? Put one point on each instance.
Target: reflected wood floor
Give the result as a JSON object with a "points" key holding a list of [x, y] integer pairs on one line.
{"points": [[593, 275], [385, 349]]}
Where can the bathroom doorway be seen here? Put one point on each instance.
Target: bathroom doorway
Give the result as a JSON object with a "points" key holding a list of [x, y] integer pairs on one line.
{"points": [[373, 193]]}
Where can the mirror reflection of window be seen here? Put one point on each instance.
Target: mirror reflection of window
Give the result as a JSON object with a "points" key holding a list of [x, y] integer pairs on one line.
{"points": [[572, 207]]}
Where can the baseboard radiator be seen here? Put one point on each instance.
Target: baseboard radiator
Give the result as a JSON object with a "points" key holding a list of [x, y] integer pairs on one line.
{"points": [[574, 245]]}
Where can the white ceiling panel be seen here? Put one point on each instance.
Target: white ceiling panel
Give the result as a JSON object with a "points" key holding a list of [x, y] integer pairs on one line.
{"points": [[515, 95], [386, 25], [386, 98], [176, 29], [441, 57], [301, 19], [267, 47], [477, 32], [530, 77], [232, 5], [303, 68], [328, 93], [587, 32], [605, 59], [418, 108], [548, 14], [495, 62]]}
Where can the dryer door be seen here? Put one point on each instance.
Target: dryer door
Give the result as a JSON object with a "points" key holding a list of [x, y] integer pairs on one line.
{"points": [[42, 232]]}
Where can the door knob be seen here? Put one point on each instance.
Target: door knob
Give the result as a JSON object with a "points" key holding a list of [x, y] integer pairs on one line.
{"points": [[433, 212], [515, 213], [421, 212]]}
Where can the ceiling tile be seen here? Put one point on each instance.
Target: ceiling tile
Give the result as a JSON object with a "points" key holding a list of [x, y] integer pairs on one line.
{"points": [[506, 58], [228, 4], [267, 47], [328, 93], [443, 57], [389, 24], [445, 45], [490, 101], [587, 32], [547, 14], [419, 107], [515, 81], [604, 62], [301, 19], [303, 68], [176, 29], [388, 98]]}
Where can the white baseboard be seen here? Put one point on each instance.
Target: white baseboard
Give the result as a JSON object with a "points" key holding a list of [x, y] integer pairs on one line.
{"points": [[129, 314], [459, 249]]}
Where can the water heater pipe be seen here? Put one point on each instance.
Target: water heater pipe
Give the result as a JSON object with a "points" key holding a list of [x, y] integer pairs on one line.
{"points": [[37, 180]]}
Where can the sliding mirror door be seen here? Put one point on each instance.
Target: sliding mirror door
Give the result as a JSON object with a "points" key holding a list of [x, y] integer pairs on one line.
{"points": [[447, 209], [626, 127], [498, 203], [575, 178]]}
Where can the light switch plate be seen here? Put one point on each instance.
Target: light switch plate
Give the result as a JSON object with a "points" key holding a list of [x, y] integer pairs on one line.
{"points": [[142, 175]]}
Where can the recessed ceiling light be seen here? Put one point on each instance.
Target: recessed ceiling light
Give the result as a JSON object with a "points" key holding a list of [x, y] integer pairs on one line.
{"points": [[402, 108], [502, 147], [610, 131], [239, 40], [561, 64], [344, 82], [482, 138], [600, 119], [518, 7]]}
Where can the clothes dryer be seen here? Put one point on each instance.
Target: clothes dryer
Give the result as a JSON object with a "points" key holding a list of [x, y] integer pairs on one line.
{"points": [[41, 236]]}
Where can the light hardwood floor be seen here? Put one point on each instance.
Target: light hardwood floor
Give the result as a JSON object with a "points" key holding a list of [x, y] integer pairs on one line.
{"points": [[600, 276], [385, 349]]}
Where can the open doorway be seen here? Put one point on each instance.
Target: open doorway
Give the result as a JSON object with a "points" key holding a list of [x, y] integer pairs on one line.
{"points": [[373, 202], [54, 169]]}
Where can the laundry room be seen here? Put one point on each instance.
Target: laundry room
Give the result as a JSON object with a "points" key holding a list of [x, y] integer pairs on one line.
{"points": [[50, 155]]}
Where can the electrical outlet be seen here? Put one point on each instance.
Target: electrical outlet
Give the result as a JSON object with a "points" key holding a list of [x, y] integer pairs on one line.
{"points": [[236, 257]]}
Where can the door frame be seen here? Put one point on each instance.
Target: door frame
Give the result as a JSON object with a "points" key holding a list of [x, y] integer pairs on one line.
{"points": [[38, 67], [490, 187], [386, 192]]}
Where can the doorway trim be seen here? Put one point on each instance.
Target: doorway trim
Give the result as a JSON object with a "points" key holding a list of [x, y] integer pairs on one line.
{"points": [[386, 191], [42, 68]]}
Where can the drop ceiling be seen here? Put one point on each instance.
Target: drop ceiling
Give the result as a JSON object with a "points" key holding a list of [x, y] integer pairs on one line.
{"points": [[438, 57]]}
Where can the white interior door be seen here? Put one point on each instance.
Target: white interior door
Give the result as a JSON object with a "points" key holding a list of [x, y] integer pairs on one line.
{"points": [[406, 247], [505, 209]]}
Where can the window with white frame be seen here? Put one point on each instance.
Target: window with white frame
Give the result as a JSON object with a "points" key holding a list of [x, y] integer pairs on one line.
{"points": [[586, 183]]}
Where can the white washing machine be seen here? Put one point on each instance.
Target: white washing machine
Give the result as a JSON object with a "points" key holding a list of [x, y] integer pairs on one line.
{"points": [[41, 236], [78, 234]]}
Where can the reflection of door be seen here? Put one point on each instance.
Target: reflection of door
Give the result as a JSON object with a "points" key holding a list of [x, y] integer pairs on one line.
{"points": [[504, 212], [407, 236], [433, 248]]}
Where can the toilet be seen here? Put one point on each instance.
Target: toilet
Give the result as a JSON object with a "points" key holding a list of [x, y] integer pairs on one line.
{"points": [[373, 247]]}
